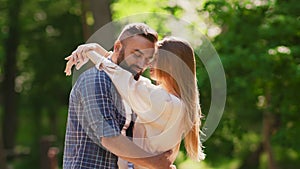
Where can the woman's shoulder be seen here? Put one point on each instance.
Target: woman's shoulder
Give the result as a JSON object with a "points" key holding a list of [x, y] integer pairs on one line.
{"points": [[158, 94], [145, 80]]}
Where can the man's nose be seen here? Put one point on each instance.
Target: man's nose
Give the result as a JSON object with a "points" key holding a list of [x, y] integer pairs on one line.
{"points": [[142, 63]]}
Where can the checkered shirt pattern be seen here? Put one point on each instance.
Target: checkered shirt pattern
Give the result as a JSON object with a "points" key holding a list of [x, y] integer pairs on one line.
{"points": [[95, 111]]}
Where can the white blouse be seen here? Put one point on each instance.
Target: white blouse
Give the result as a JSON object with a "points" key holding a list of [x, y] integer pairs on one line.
{"points": [[159, 125]]}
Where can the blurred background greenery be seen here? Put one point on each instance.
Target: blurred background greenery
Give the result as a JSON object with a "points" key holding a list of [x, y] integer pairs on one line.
{"points": [[258, 42]]}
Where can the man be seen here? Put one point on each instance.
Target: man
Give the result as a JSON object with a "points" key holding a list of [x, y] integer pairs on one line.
{"points": [[96, 113]]}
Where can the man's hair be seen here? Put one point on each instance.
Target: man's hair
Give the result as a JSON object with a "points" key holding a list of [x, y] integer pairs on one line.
{"points": [[140, 29]]}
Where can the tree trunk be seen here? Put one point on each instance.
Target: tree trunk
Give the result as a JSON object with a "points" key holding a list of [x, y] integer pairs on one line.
{"points": [[105, 37], [102, 17], [85, 27], [2, 153], [267, 131], [252, 161], [268, 127], [53, 120], [10, 70], [48, 155], [101, 12]]}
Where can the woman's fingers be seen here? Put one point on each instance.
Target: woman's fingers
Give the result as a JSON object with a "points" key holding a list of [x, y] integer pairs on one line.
{"points": [[68, 57], [80, 53], [78, 57], [84, 53], [72, 60], [68, 68], [79, 64]]}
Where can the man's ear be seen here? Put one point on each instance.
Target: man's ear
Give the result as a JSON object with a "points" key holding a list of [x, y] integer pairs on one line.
{"points": [[117, 46]]}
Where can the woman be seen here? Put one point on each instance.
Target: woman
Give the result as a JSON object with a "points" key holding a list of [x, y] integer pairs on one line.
{"points": [[166, 112]]}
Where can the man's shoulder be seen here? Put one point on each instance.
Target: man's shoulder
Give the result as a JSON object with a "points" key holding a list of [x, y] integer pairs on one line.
{"points": [[92, 81], [95, 75], [93, 72]]}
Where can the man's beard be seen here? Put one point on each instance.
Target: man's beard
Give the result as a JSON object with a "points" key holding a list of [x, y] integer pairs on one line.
{"points": [[123, 64]]}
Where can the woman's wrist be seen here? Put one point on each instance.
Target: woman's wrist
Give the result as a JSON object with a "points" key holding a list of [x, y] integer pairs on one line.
{"points": [[102, 51]]}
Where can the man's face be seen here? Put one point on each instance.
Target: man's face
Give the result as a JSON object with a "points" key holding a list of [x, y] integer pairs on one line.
{"points": [[136, 54]]}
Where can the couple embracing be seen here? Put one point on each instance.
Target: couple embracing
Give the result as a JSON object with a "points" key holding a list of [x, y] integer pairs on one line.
{"points": [[120, 119]]}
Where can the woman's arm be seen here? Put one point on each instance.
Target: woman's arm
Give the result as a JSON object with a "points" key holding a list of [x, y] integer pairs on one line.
{"points": [[141, 95], [79, 57]]}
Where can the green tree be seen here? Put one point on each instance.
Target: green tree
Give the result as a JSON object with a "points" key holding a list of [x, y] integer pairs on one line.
{"points": [[11, 43], [259, 50], [47, 32]]}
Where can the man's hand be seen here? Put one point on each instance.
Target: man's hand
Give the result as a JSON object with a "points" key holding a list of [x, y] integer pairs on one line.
{"points": [[126, 149], [161, 161]]}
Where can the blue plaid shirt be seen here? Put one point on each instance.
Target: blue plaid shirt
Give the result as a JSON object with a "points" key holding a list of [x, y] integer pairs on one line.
{"points": [[95, 111]]}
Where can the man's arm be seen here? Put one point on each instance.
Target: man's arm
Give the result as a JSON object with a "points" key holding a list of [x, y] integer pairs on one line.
{"points": [[126, 149]]}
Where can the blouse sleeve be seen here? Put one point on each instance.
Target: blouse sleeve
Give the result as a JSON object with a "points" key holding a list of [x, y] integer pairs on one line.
{"points": [[142, 96]]}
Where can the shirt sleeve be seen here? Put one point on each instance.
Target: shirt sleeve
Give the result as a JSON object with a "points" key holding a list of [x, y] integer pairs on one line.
{"points": [[142, 96], [99, 109]]}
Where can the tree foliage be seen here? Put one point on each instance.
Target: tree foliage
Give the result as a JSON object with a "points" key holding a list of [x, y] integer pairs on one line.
{"points": [[258, 47], [47, 35]]}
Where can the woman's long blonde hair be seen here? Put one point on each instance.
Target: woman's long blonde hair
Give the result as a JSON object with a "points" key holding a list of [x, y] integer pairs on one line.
{"points": [[176, 70]]}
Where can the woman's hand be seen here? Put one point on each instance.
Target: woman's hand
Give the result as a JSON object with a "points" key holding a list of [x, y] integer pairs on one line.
{"points": [[79, 56]]}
